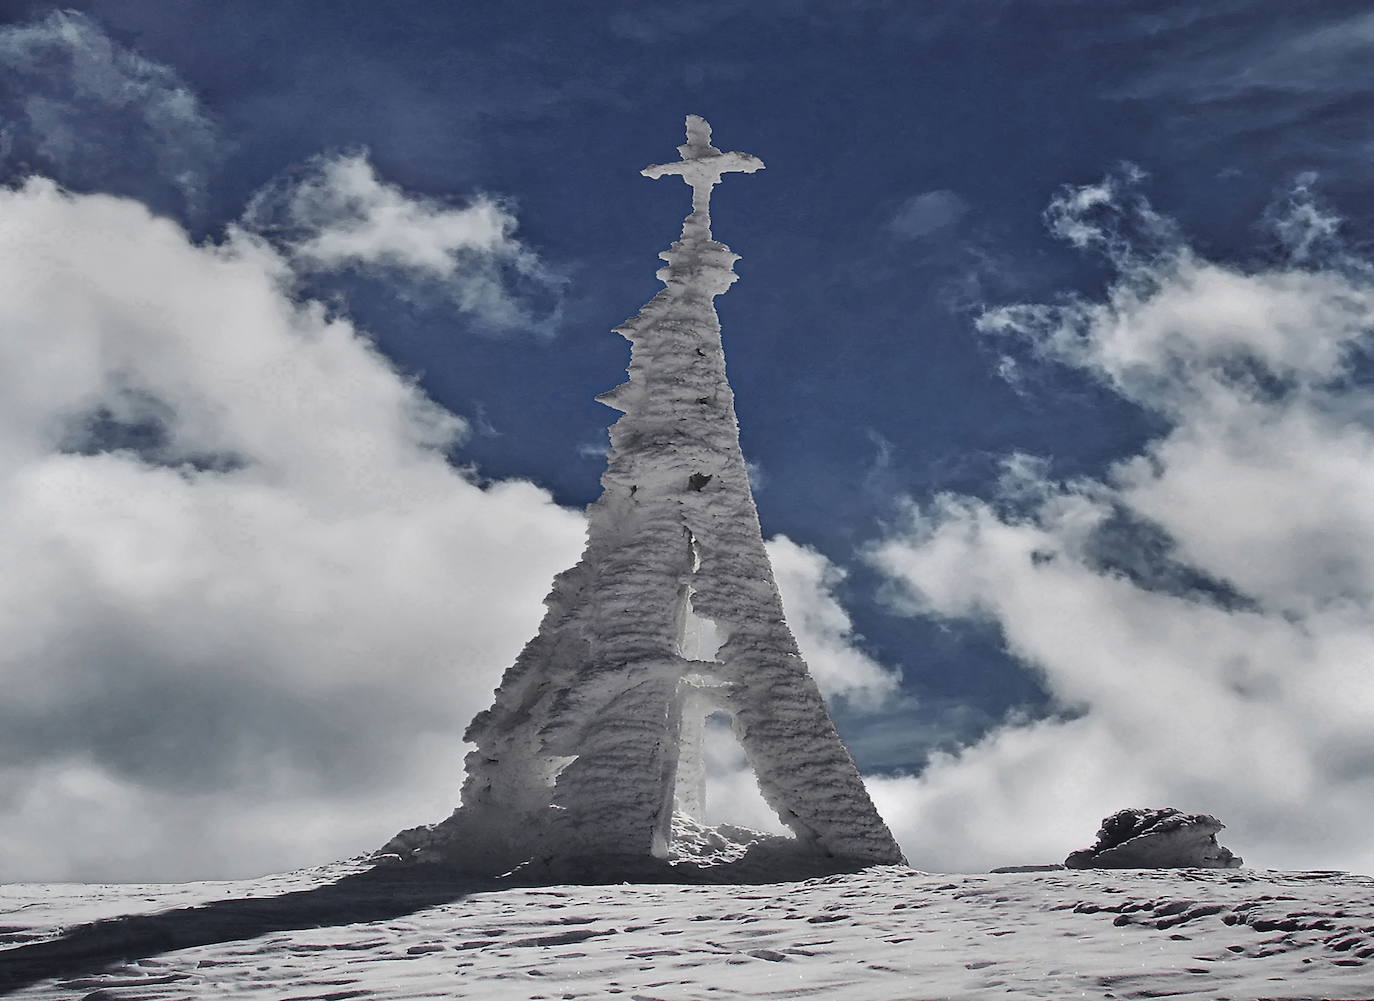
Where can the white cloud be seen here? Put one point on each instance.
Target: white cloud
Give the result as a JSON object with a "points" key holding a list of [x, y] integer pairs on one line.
{"points": [[338, 214], [248, 605], [929, 212], [83, 104], [824, 632], [1152, 341], [1205, 610], [732, 790]]}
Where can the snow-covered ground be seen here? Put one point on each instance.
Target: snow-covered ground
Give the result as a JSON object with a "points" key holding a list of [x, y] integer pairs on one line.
{"points": [[342, 932]]}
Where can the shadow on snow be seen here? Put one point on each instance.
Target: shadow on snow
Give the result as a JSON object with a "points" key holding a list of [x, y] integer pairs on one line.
{"points": [[377, 894]]}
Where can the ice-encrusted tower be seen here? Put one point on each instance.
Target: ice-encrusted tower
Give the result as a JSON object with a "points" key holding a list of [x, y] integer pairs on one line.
{"points": [[672, 614]]}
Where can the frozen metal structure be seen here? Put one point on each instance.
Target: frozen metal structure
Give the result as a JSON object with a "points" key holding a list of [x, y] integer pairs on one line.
{"points": [[595, 734]]}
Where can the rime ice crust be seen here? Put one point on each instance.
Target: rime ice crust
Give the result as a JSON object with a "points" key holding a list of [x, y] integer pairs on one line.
{"points": [[1156, 839], [672, 614]]}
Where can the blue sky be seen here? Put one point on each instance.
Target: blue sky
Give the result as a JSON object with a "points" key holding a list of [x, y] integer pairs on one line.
{"points": [[1017, 282]]}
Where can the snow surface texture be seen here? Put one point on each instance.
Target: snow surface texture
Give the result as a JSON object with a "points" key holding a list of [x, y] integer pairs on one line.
{"points": [[672, 614], [1147, 839], [344, 931]]}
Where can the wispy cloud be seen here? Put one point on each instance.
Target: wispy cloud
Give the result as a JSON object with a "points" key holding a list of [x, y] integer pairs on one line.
{"points": [[95, 114], [647, 25], [1284, 92], [337, 214], [758, 478], [1324, 54], [1204, 609], [593, 450], [926, 214]]}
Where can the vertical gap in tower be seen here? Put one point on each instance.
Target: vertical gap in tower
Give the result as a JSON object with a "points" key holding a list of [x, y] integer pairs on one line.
{"points": [[689, 779], [714, 782], [699, 638], [732, 794]]}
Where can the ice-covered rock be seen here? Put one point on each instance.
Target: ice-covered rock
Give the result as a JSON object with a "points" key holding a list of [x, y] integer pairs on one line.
{"points": [[1156, 839], [594, 737]]}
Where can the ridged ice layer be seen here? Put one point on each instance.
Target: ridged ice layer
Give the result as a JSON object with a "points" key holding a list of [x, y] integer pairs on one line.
{"points": [[672, 614]]}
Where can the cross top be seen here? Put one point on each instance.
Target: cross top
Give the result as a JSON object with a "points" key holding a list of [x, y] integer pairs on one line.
{"points": [[702, 164]]}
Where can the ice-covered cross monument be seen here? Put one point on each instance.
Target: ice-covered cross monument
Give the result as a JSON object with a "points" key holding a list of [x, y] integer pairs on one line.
{"points": [[595, 736]]}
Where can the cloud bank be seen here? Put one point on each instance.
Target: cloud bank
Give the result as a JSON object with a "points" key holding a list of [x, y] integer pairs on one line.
{"points": [[1204, 610], [249, 605], [249, 602], [246, 592]]}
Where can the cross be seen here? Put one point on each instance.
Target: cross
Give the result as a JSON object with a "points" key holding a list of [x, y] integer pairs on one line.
{"points": [[702, 164]]}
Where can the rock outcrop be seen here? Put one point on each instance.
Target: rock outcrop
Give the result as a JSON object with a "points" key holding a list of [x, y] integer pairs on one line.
{"points": [[1156, 839]]}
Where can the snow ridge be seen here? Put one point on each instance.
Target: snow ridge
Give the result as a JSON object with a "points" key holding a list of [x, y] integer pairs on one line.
{"points": [[671, 615]]}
